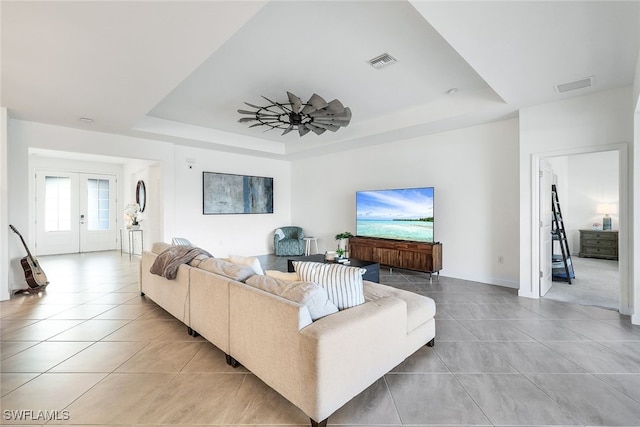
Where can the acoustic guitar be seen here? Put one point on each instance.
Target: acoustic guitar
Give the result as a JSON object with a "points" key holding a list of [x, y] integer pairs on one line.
{"points": [[33, 274]]}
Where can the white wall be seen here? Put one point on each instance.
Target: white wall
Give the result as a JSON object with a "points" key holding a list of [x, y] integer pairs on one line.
{"points": [[475, 175], [635, 229], [244, 234], [594, 181], [4, 212], [153, 216], [570, 126]]}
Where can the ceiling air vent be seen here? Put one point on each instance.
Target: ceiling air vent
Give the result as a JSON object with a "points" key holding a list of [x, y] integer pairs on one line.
{"points": [[578, 84], [382, 61]]}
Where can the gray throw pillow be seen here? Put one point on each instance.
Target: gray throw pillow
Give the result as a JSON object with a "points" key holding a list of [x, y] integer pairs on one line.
{"points": [[312, 295], [227, 269]]}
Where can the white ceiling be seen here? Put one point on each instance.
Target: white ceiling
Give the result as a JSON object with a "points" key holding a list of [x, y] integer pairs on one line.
{"points": [[179, 71]]}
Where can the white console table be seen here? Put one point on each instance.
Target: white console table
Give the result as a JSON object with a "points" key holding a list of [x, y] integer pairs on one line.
{"points": [[131, 234]]}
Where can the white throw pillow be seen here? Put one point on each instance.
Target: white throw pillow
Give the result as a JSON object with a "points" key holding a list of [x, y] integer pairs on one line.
{"points": [[249, 261], [343, 283], [309, 294], [289, 277]]}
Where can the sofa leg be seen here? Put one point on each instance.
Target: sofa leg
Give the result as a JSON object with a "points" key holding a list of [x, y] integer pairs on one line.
{"points": [[322, 423], [231, 361], [141, 293], [192, 332], [431, 343]]}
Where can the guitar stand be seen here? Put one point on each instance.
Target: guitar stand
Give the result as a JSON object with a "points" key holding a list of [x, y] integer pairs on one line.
{"points": [[30, 291]]}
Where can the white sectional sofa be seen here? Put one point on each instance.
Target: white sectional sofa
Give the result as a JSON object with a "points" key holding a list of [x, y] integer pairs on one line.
{"points": [[317, 365]]}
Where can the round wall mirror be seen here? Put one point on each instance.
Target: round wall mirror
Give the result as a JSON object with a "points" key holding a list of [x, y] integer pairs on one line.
{"points": [[141, 195]]}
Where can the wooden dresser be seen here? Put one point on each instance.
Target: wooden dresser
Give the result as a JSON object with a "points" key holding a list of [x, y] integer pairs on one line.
{"points": [[599, 244]]}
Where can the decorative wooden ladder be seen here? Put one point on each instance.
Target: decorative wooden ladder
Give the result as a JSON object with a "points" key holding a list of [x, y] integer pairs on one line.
{"points": [[562, 267]]}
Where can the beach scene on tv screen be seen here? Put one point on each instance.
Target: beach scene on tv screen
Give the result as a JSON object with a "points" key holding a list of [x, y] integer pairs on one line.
{"points": [[403, 214]]}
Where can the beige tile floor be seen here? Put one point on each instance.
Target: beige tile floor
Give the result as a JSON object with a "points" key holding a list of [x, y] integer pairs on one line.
{"points": [[92, 351]]}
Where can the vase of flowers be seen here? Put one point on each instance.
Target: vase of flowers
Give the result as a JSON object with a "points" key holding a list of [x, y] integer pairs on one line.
{"points": [[132, 216]]}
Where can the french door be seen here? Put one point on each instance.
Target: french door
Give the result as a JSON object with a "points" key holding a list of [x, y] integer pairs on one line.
{"points": [[75, 212]]}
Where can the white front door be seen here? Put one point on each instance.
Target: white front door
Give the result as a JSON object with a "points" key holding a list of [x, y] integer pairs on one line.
{"points": [[75, 212], [546, 241]]}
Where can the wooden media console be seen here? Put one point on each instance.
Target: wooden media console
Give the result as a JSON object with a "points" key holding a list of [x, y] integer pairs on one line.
{"points": [[419, 256]]}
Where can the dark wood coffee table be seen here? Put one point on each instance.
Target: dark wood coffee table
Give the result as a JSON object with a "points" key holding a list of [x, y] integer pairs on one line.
{"points": [[372, 273]]}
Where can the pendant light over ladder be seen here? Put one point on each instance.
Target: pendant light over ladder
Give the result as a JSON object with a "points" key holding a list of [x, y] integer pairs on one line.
{"points": [[562, 267]]}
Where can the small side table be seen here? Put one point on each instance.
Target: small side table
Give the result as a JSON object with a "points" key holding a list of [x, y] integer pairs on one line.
{"points": [[307, 244], [131, 236]]}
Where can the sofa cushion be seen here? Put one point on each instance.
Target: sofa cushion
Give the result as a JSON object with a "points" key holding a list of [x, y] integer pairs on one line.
{"points": [[227, 269], [343, 284], [159, 247], [420, 309], [249, 261], [309, 294], [282, 275]]}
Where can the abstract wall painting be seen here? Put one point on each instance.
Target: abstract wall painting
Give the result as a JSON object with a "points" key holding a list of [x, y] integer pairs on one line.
{"points": [[236, 194]]}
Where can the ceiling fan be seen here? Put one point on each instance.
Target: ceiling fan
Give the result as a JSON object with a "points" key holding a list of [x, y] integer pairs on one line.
{"points": [[315, 115]]}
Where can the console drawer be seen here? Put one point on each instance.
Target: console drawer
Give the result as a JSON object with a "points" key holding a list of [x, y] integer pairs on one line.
{"points": [[599, 244]]}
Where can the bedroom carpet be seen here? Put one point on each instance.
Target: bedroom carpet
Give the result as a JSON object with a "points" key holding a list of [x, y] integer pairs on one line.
{"points": [[597, 283]]}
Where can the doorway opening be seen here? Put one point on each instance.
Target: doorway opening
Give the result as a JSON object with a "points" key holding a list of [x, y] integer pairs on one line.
{"points": [[588, 182]]}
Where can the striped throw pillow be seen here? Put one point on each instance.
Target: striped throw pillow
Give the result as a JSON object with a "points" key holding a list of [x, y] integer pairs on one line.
{"points": [[343, 283]]}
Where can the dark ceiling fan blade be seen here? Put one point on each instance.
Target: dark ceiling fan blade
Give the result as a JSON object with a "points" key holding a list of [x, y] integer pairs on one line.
{"points": [[327, 126], [253, 106], [332, 120], [247, 119], [329, 112], [270, 116], [344, 114], [296, 103], [287, 130], [303, 130], [281, 106], [247, 112], [317, 130], [334, 106], [316, 102]]}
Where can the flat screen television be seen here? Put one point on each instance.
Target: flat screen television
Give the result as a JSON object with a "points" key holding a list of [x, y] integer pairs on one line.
{"points": [[400, 214]]}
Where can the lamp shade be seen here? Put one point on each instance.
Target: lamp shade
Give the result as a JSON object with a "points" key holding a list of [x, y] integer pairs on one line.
{"points": [[606, 208]]}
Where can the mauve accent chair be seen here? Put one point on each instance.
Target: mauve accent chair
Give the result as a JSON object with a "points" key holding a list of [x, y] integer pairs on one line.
{"points": [[288, 241]]}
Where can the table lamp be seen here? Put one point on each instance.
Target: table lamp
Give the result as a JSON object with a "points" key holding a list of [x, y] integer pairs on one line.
{"points": [[605, 209]]}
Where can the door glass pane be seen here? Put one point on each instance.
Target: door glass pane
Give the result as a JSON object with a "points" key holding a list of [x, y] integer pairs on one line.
{"points": [[98, 204], [57, 204]]}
